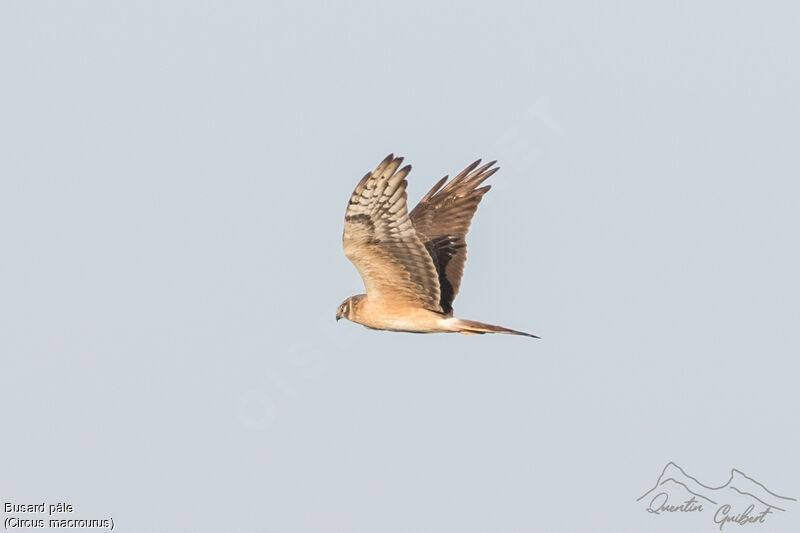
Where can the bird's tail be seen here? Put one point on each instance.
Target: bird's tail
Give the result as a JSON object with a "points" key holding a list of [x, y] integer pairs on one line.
{"points": [[471, 327]]}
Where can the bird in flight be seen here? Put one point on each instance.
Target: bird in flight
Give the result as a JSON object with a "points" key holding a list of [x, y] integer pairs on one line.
{"points": [[411, 263]]}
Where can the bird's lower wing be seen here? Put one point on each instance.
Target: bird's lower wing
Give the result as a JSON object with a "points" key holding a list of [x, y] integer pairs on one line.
{"points": [[442, 219]]}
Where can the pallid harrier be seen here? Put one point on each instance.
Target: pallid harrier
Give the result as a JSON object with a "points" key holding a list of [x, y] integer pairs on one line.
{"points": [[411, 264]]}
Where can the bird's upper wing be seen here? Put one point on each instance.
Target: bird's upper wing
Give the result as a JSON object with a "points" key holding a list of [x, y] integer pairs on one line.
{"points": [[442, 219], [379, 239]]}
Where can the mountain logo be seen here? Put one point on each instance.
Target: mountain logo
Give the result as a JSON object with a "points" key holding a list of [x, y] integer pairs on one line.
{"points": [[741, 500]]}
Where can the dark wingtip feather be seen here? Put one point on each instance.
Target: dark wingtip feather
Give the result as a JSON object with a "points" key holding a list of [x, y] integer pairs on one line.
{"points": [[489, 173], [466, 172], [382, 165], [434, 190], [483, 170]]}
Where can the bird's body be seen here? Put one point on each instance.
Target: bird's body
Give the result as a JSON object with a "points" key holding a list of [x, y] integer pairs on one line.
{"points": [[411, 264], [377, 314]]}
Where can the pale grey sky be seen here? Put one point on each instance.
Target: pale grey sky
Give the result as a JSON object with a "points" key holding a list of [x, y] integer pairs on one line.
{"points": [[172, 185]]}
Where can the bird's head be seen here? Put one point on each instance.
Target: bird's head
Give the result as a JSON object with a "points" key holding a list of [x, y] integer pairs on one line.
{"points": [[344, 310], [347, 308]]}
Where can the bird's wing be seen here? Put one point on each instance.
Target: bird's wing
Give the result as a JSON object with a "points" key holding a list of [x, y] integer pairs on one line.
{"points": [[442, 219], [379, 239]]}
